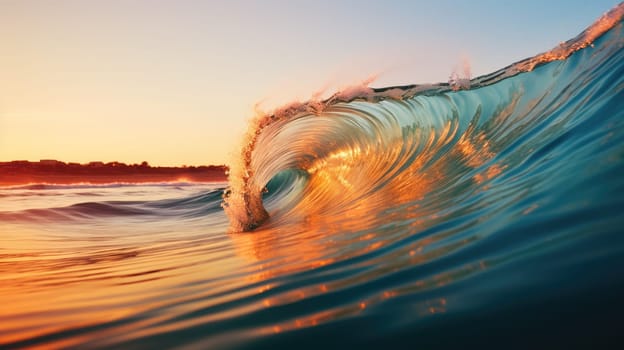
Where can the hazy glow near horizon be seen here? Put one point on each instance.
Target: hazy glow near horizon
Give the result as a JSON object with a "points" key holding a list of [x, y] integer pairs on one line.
{"points": [[174, 82]]}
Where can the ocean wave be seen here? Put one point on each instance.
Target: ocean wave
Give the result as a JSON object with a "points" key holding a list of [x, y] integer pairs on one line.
{"points": [[398, 145], [195, 205], [464, 214]]}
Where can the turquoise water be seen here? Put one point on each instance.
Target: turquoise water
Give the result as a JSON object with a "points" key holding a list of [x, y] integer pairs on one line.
{"points": [[438, 218]]}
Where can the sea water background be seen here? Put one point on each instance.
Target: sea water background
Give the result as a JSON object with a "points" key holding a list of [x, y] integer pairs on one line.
{"points": [[493, 219]]}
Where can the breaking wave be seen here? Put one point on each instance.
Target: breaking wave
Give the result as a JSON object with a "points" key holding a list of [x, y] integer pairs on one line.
{"points": [[404, 144]]}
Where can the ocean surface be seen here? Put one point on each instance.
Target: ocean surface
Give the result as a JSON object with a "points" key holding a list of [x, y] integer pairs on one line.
{"points": [[485, 212]]}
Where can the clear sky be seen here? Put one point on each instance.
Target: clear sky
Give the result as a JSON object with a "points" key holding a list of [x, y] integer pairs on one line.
{"points": [[174, 82]]}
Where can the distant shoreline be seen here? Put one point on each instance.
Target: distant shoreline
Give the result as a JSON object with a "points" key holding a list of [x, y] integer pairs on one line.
{"points": [[56, 172]]}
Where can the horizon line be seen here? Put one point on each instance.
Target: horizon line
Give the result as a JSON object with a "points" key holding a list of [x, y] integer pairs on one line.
{"points": [[51, 160]]}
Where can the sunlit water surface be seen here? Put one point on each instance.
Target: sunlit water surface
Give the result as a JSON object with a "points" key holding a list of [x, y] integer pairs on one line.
{"points": [[490, 216]]}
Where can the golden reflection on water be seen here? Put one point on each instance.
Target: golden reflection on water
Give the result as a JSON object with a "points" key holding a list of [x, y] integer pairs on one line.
{"points": [[51, 285], [340, 217], [91, 291]]}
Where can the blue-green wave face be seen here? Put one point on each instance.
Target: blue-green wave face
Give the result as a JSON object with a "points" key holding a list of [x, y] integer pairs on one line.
{"points": [[527, 138]]}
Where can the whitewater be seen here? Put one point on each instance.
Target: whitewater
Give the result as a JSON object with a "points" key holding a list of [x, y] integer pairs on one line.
{"points": [[485, 212]]}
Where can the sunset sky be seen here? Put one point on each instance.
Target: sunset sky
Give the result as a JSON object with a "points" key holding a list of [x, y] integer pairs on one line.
{"points": [[174, 82]]}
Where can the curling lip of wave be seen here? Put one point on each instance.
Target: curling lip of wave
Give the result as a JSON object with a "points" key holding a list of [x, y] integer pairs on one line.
{"points": [[243, 199]]}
